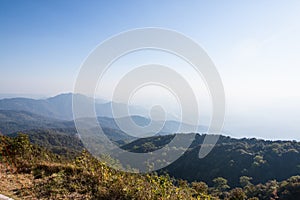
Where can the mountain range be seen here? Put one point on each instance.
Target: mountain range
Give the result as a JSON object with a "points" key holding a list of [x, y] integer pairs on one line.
{"points": [[58, 107], [19, 114], [49, 123]]}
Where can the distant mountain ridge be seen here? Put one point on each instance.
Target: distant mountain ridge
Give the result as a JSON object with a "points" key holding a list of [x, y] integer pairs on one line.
{"points": [[230, 158], [55, 112], [60, 106], [13, 121]]}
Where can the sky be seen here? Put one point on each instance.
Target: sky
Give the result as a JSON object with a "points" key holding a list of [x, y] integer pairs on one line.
{"points": [[255, 46]]}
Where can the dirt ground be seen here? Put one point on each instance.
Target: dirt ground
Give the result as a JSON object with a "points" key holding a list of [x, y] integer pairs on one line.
{"points": [[15, 185]]}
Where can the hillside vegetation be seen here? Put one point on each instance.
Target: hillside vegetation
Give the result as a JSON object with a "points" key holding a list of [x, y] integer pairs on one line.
{"points": [[29, 171], [47, 176], [230, 158]]}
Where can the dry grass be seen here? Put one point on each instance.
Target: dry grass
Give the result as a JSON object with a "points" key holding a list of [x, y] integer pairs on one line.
{"points": [[15, 185]]}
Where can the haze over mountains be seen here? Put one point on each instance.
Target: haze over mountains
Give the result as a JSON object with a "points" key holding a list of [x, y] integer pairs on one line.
{"points": [[59, 107], [18, 114], [259, 159], [49, 123]]}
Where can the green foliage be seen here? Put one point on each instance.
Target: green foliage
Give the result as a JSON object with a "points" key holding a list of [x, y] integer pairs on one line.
{"points": [[237, 194], [258, 161], [15, 121], [245, 181], [148, 144], [290, 189], [200, 187], [230, 158], [22, 154], [86, 177], [59, 141], [220, 184]]}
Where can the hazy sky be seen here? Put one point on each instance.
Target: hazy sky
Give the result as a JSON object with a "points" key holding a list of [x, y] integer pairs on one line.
{"points": [[254, 44]]}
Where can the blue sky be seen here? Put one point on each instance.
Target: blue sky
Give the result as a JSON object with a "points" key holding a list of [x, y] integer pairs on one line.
{"points": [[46, 40], [254, 44]]}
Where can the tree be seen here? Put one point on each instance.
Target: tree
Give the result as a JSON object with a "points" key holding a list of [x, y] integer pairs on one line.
{"points": [[237, 194], [220, 184], [245, 180], [258, 161], [200, 187]]}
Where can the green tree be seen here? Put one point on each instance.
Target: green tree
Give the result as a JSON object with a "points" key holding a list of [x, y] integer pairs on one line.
{"points": [[220, 184], [237, 194], [245, 181], [200, 187]]}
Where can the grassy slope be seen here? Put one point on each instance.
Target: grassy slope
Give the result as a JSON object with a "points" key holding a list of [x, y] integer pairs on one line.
{"points": [[32, 172]]}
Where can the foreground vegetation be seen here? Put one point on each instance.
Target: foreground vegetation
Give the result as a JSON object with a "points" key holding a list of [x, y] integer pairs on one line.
{"points": [[51, 177], [29, 171]]}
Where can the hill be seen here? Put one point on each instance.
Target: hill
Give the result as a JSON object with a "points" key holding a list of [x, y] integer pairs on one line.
{"points": [[31, 172], [13, 121], [66, 141], [60, 108], [230, 158]]}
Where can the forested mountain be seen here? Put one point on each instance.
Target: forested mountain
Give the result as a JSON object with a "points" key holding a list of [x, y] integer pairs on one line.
{"points": [[256, 166], [60, 107], [63, 141], [230, 158], [12, 121], [35, 173], [66, 141]]}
